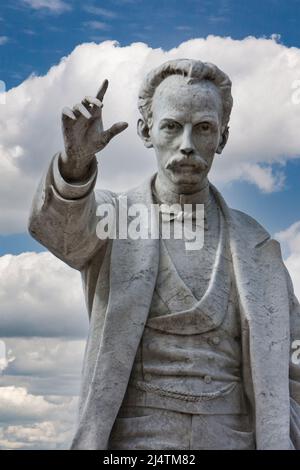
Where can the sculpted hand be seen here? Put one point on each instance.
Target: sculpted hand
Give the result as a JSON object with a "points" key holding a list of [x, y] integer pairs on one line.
{"points": [[84, 135]]}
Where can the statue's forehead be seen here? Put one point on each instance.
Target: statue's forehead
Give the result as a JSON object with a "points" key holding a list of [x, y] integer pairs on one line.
{"points": [[175, 81], [175, 92]]}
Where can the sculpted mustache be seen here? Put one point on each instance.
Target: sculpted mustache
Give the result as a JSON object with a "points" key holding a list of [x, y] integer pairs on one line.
{"points": [[178, 160]]}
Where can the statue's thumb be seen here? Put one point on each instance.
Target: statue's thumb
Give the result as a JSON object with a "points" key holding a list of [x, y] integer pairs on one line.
{"points": [[112, 131]]}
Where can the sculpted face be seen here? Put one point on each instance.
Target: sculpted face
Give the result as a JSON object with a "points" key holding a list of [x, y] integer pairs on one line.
{"points": [[186, 131]]}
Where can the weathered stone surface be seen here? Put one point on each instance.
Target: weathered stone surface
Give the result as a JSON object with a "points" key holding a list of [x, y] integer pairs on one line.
{"points": [[188, 349]]}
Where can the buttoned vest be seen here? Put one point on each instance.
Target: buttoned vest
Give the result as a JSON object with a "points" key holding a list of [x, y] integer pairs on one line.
{"points": [[189, 358]]}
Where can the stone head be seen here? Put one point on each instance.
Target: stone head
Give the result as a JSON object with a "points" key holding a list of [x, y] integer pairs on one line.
{"points": [[185, 106]]}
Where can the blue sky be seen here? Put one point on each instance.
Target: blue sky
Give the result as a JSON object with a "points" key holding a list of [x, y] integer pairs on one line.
{"points": [[38, 37], [35, 37]]}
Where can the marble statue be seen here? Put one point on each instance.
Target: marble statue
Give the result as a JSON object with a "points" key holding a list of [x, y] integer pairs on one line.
{"points": [[186, 349]]}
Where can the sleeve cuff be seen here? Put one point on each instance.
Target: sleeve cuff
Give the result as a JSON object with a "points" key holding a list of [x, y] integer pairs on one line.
{"points": [[72, 190]]}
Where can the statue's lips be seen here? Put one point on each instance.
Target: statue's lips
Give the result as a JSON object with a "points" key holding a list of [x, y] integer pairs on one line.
{"points": [[186, 164], [187, 169]]}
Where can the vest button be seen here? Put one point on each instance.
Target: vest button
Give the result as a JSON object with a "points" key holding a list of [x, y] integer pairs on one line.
{"points": [[216, 340], [148, 376], [207, 379]]}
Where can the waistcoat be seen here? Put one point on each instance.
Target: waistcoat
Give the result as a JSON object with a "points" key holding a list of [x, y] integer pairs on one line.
{"points": [[189, 358]]}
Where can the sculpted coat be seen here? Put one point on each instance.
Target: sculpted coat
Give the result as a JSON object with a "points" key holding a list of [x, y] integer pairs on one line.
{"points": [[119, 279]]}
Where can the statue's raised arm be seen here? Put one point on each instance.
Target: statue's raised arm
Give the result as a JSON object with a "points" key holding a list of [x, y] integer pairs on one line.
{"points": [[63, 215], [84, 135]]}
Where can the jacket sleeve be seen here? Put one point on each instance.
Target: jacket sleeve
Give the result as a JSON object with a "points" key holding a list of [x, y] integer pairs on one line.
{"points": [[64, 216], [294, 364]]}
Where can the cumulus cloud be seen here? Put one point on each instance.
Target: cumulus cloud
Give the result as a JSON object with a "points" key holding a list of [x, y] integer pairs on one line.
{"points": [[264, 131], [5, 356], [43, 356], [52, 365], [43, 325], [47, 435], [39, 390], [40, 296], [17, 404], [32, 421], [290, 240], [41, 303]]}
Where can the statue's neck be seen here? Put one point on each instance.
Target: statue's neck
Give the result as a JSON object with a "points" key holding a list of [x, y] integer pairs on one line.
{"points": [[170, 194]]}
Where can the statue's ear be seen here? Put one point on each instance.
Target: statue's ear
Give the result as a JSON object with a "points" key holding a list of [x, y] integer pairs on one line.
{"points": [[143, 132], [223, 140]]}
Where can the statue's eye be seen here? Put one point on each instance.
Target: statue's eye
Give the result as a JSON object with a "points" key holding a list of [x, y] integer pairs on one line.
{"points": [[204, 126], [171, 126]]}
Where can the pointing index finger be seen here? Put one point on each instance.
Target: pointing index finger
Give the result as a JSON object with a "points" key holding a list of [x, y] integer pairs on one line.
{"points": [[102, 90]]}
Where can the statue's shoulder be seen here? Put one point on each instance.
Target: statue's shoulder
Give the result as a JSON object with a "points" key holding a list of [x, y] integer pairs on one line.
{"points": [[242, 225], [247, 227], [248, 221]]}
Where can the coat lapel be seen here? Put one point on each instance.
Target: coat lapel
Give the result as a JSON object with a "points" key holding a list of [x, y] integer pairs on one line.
{"points": [[133, 272], [264, 312], [264, 307], [194, 316]]}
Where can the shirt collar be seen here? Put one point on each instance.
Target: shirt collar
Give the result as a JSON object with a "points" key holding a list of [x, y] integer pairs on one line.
{"points": [[166, 196]]}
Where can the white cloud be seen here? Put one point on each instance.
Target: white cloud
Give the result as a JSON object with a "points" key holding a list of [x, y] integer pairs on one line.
{"points": [[40, 296], [17, 403], [33, 421], [45, 366], [290, 240], [264, 177], [44, 435], [43, 326], [39, 392], [54, 6], [264, 130], [6, 357]]}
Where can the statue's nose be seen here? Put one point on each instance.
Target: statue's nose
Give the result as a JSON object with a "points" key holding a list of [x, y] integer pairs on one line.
{"points": [[187, 146], [188, 151]]}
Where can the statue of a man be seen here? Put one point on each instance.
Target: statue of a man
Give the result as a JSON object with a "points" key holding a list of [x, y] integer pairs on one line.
{"points": [[186, 349]]}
